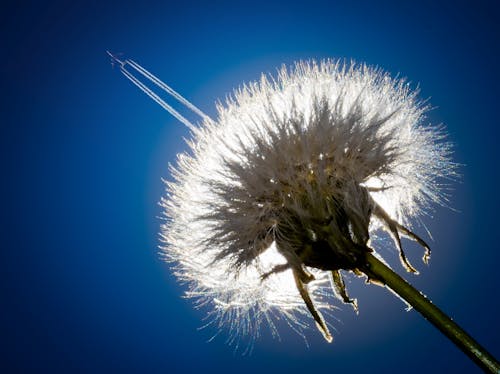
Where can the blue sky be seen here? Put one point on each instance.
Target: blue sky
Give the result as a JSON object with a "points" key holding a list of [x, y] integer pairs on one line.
{"points": [[83, 153]]}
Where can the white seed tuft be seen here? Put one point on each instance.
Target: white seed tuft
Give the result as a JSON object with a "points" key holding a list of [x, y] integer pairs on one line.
{"points": [[284, 156]]}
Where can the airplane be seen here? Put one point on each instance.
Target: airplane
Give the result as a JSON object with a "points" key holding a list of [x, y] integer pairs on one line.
{"points": [[116, 60]]}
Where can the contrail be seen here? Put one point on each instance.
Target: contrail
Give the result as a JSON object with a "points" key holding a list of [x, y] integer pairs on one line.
{"points": [[168, 89], [163, 86]]}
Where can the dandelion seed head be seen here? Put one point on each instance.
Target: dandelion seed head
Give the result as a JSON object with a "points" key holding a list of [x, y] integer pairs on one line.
{"points": [[328, 144]]}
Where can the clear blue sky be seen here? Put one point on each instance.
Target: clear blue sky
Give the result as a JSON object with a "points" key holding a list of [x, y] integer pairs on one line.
{"points": [[83, 153]]}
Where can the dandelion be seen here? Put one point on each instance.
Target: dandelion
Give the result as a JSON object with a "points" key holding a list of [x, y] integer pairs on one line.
{"points": [[283, 192]]}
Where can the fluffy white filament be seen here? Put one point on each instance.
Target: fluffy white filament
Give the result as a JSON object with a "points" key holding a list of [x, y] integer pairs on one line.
{"points": [[317, 133]]}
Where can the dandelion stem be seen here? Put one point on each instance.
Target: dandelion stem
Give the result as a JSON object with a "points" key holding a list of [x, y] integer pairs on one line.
{"points": [[378, 271]]}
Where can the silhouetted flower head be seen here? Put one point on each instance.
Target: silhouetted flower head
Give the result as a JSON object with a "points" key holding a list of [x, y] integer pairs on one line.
{"points": [[284, 189]]}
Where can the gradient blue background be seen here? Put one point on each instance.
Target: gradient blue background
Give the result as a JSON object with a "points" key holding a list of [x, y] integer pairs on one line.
{"points": [[83, 153]]}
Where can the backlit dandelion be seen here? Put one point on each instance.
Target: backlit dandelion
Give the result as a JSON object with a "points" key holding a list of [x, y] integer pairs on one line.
{"points": [[295, 166], [284, 189]]}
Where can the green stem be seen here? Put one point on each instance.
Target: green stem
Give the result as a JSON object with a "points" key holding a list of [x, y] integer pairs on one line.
{"points": [[378, 271]]}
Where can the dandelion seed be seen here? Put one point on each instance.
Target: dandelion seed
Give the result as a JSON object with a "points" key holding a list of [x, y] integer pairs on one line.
{"points": [[304, 167], [286, 187]]}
